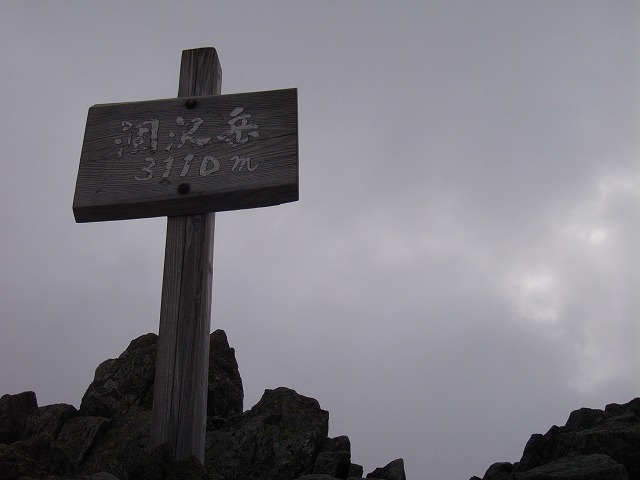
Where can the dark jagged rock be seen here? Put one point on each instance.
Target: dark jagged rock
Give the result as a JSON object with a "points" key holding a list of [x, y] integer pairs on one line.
{"points": [[335, 458], [226, 395], [79, 435], [585, 418], [578, 467], [355, 471], [122, 445], [500, 471], [334, 464], [14, 410], [278, 439], [284, 436], [614, 432], [38, 455], [392, 471], [124, 383], [337, 444], [49, 419], [592, 445]]}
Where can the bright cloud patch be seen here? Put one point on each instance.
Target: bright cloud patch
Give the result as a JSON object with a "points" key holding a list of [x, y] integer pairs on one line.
{"points": [[535, 297]]}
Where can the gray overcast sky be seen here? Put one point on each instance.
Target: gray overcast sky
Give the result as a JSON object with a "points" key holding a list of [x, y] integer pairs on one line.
{"points": [[462, 268]]}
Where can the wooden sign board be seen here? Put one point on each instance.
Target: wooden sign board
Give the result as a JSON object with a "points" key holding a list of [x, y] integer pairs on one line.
{"points": [[187, 156]]}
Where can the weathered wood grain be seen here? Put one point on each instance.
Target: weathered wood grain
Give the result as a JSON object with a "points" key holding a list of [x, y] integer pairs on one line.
{"points": [[180, 388], [134, 156]]}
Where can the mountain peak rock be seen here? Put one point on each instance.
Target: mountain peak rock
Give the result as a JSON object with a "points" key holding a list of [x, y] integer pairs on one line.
{"points": [[283, 437]]}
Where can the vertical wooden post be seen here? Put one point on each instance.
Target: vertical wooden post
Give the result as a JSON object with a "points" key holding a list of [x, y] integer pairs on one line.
{"points": [[182, 367]]}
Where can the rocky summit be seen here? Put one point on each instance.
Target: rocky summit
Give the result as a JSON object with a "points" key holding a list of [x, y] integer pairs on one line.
{"points": [[592, 445], [283, 437]]}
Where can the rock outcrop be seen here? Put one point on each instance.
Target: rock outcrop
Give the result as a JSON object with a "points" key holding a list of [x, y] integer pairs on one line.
{"points": [[279, 439], [393, 471], [225, 396], [14, 411], [592, 445], [283, 437], [125, 383]]}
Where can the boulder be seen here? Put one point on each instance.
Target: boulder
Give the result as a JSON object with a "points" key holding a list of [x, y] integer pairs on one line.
{"points": [[79, 435], [14, 410], [392, 471], [125, 383], [335, 458], [616, 410], [614, 432], [500, 471], [49, 419], [225, 395], [278, 439], [355, 471], [121, 447], [37, 456], [585, 418], [337, 444], [578, 467], [334, 464]]}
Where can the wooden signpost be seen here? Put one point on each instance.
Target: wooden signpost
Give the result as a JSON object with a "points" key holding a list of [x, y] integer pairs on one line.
{"points": [[187, 158]]}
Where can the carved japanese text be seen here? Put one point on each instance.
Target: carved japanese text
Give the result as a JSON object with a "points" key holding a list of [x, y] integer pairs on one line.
{"points": [[190, 134]]}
